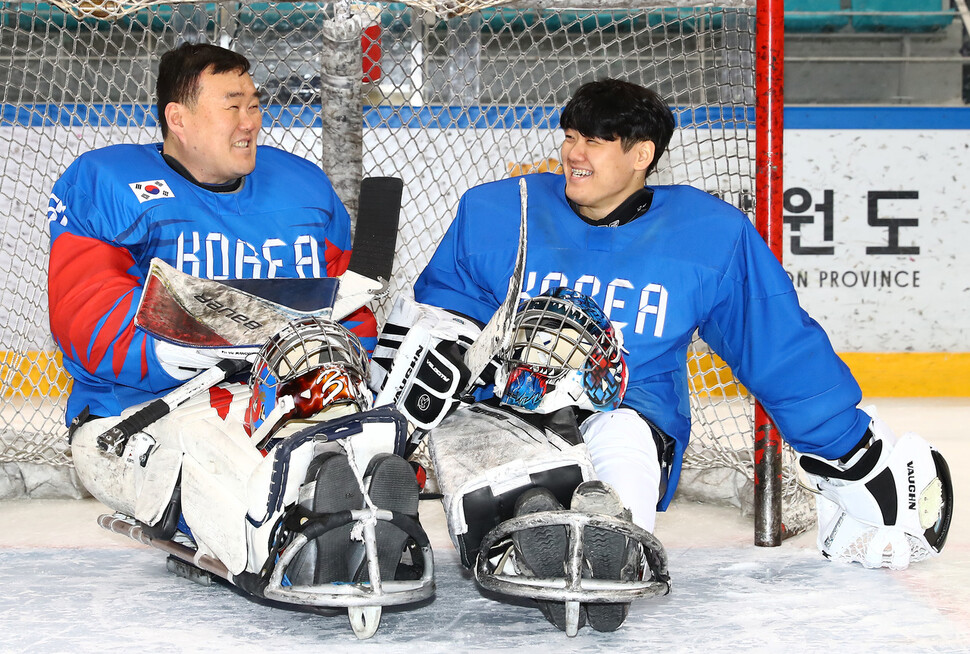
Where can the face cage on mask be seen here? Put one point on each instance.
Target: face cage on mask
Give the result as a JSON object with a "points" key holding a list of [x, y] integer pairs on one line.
{"points": [[314, 342], [555, 361], [300, 349]]}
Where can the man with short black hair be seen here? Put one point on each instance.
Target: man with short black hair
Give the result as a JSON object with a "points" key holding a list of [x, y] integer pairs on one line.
{"points": [[212, 204], [207, 201], [664, 262]]}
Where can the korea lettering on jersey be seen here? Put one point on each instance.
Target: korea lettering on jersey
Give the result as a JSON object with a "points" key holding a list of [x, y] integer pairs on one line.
{"points": [[116, 208], [613, 298], [691, 263], [214, 255]]}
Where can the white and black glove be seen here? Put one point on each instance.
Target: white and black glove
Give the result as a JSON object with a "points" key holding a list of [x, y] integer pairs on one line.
{"points": [[418, 364], [887, 503]]}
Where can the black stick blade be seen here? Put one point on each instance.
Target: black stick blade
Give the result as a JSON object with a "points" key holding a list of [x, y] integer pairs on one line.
{"points": [[375, 235]]}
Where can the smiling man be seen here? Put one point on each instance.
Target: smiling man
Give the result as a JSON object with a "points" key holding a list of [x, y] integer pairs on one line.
{"points": [[213, 204], [608, 152], [663, 262], [210, 126], [206, 200]]}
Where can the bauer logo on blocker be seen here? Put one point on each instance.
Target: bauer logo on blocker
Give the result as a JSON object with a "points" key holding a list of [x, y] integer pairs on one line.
{"points": [[153, 190]]}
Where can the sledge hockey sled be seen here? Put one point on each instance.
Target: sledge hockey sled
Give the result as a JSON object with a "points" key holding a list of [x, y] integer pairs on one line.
{"points": [[495, 574], [295, 528], [363, 600], [485, 457]]}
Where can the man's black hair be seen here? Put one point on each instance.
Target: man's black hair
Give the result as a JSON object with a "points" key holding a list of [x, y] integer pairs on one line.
{"points": [[179, 71], [613, 109]]}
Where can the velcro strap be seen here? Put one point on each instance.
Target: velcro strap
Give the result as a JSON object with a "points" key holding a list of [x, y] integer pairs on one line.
{"points": [[856, 472]]}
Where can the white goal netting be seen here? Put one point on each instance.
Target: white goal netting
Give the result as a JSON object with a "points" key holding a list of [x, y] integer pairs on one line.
{"points": [[449, 95]]}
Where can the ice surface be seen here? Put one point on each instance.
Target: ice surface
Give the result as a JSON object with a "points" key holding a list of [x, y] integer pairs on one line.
{"points": [[725, 599], [108, 594]]}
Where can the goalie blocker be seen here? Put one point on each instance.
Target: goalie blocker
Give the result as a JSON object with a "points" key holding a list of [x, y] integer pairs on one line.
{"points": [[418, 364], [887, 503]]}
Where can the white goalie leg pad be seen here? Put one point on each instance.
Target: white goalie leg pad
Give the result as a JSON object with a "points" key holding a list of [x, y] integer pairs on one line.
{"points": [[484, 457], [277, 482], [894, 501], [140, 482], [217, 458], [204, 441]]}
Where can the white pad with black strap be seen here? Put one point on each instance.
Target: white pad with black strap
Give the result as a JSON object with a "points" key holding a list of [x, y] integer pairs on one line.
{"points": [[232, 496], [485, 456], [141, 481], [277, 482]]}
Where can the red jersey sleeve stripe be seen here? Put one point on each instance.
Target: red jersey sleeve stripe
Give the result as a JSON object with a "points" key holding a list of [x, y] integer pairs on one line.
{"points": [[86, 277], [337, 260]]}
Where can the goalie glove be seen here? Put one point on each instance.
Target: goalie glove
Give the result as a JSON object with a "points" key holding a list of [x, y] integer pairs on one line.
{"points": [[418, 364], [887, 503]]}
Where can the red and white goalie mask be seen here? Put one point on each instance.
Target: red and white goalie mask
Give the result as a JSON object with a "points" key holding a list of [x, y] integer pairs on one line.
{"points": [[565, 352], [313, 370]]}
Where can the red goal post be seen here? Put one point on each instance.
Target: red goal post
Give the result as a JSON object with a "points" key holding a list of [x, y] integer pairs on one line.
{"points": [[770, 127]]}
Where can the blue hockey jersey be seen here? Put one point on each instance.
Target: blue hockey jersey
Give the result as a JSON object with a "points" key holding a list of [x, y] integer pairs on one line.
{"points": [[690, 262], [117, 207]]}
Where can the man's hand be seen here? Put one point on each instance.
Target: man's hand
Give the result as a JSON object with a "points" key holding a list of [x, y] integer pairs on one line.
{"points": [[182, 362]]}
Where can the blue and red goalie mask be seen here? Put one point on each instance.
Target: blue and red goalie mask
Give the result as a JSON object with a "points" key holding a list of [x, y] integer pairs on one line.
{"points": [[565, 352]]}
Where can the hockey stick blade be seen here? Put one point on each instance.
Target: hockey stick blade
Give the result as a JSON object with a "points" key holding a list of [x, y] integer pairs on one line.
{"points": [[375, 239], [114, 440], [375, 235], [497, 333]]}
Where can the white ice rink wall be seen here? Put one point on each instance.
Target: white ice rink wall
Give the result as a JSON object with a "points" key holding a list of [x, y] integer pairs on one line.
{"points": [[875, 239]]}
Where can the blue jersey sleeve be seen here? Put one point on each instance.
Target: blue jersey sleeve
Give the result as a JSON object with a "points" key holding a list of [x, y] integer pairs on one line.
{"points": [[781, 354], [466, 272]]}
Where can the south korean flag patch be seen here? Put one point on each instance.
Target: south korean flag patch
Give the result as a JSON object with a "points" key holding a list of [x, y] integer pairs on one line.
{"points": [[154, 190]]}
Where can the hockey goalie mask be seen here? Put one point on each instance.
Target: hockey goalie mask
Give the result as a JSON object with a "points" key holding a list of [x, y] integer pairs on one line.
{"points": [[312, 370], [565, 352]]}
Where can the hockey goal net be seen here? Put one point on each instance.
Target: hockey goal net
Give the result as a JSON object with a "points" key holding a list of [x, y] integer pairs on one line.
{"points": [[450, 94]]}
